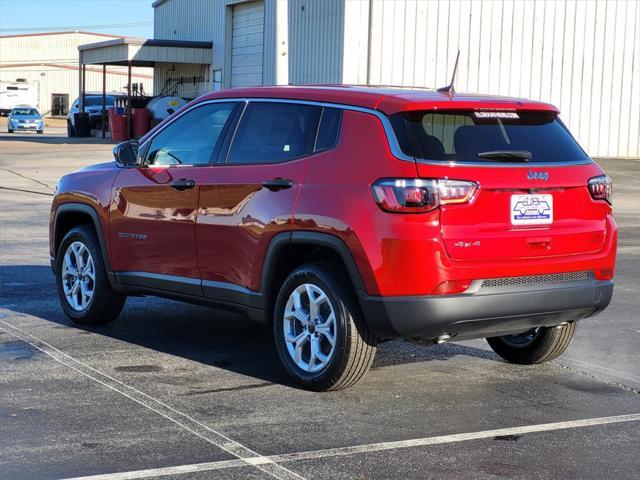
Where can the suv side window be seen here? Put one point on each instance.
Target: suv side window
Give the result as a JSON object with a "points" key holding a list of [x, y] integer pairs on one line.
{"points": [[272, 132], [192, 138], [329, 129]]}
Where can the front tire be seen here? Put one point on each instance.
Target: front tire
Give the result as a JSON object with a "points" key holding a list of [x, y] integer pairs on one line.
{"points": [[83, 288], [71, 132], [537, 345], [40, 132], [321, 336], [9, 130]]}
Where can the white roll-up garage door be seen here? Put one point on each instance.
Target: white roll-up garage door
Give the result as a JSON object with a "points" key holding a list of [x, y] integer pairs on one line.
{"points": [[247, 44]]}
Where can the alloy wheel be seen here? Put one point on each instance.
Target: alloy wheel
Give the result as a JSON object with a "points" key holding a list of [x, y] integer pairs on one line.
{"points": [[78, 276], [310, 328]]}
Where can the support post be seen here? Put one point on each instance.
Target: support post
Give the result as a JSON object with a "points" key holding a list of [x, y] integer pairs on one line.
{"points": [[84, 82], [129, 110], [104, 100], [80, 79]]}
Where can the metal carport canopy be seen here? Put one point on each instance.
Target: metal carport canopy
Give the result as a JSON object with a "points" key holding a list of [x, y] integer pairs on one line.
{"points": [[138, 52], [141, 52]]}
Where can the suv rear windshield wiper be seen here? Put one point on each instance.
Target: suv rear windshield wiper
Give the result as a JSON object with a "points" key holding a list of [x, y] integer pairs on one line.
{"points": [[522, 155]]}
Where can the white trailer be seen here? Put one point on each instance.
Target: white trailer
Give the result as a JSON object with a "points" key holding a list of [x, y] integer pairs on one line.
{"points": [[18, 93]]}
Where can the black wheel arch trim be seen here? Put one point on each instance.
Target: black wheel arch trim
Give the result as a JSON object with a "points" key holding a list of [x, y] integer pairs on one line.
{"points": [[91, 212], [285, 239]]}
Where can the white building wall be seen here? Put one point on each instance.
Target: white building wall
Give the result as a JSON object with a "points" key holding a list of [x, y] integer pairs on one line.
{"points": [[193, 20], [54, 48], [276, 42], [317, 41], [52, 61], [583, 56], [210, 20], [184, 20], [182, 80]]}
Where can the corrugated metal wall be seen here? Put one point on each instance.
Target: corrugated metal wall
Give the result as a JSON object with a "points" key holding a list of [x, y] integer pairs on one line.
{"points": [[178, 79], [59, 48], [316, 41], [185, 20], [583, 56], [203, 20], [56, 69]]}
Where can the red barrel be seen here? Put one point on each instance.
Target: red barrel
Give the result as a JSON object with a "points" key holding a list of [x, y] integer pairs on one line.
{"points": [[141, 121], [118, 126]]}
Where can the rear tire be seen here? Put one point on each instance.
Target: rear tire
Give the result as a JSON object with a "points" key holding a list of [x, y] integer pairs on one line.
{"points": [[84, 291], [40, 132], [335, 315], [71, 132], [546, 344], [9, 130]]}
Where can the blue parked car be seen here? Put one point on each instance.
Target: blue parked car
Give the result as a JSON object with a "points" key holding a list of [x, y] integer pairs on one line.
{"points": [[25, 118]]}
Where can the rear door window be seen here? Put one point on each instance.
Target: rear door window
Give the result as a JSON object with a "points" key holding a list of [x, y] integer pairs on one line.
{"points": [[476, 136], [273, 132]]}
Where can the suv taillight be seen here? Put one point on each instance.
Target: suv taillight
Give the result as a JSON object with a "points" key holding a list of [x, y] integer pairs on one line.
{"points": [[601, 188], [419, 195]]}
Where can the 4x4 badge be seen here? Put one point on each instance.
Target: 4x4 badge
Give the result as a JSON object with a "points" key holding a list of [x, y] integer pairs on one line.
{"points": [[538, 175]]}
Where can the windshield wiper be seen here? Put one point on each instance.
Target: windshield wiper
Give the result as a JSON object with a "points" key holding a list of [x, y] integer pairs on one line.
{"points": [[522, 155]]}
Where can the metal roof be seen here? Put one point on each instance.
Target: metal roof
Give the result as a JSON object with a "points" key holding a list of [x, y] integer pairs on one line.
{"points": [[66, 32], [144, 52]]}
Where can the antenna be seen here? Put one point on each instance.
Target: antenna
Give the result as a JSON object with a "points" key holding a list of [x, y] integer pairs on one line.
{"points": [[449, 88]]}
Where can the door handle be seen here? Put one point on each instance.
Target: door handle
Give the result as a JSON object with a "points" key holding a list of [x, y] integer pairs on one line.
{"points": [[276, 184], [183, 184]]}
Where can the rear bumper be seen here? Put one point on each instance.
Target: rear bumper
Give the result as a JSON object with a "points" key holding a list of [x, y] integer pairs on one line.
{"points": [[486, 312]]}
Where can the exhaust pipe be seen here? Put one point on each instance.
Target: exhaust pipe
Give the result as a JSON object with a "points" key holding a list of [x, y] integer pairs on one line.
{"points": [[430, 341]]}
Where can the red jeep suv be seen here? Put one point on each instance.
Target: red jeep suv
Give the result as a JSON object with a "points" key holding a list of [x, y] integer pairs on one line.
{"points": [[343, 216]]}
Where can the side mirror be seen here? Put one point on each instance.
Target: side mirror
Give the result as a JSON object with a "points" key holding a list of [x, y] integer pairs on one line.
{"points": [[126, 153]]}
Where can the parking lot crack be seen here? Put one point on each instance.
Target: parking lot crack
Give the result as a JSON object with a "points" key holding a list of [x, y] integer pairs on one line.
{"points": [[27, 191], [46, 185]]}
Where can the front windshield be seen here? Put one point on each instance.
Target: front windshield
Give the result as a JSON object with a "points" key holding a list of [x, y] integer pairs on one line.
{"points": [[97, 101], [481, 136], [24, 111]]}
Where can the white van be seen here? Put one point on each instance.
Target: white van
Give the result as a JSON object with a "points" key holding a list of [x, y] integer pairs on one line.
{"points": [[13, 94]]}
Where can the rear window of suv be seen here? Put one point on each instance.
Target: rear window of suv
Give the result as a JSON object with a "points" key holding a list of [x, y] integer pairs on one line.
{"points": [[477, 136]]}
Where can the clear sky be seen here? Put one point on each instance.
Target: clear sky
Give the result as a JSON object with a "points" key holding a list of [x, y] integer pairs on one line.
{"points": [[133, 18]]}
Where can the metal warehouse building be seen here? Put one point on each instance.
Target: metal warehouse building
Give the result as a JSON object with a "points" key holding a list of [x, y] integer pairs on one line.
{"points": [[51, 61], [582, 55]]}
